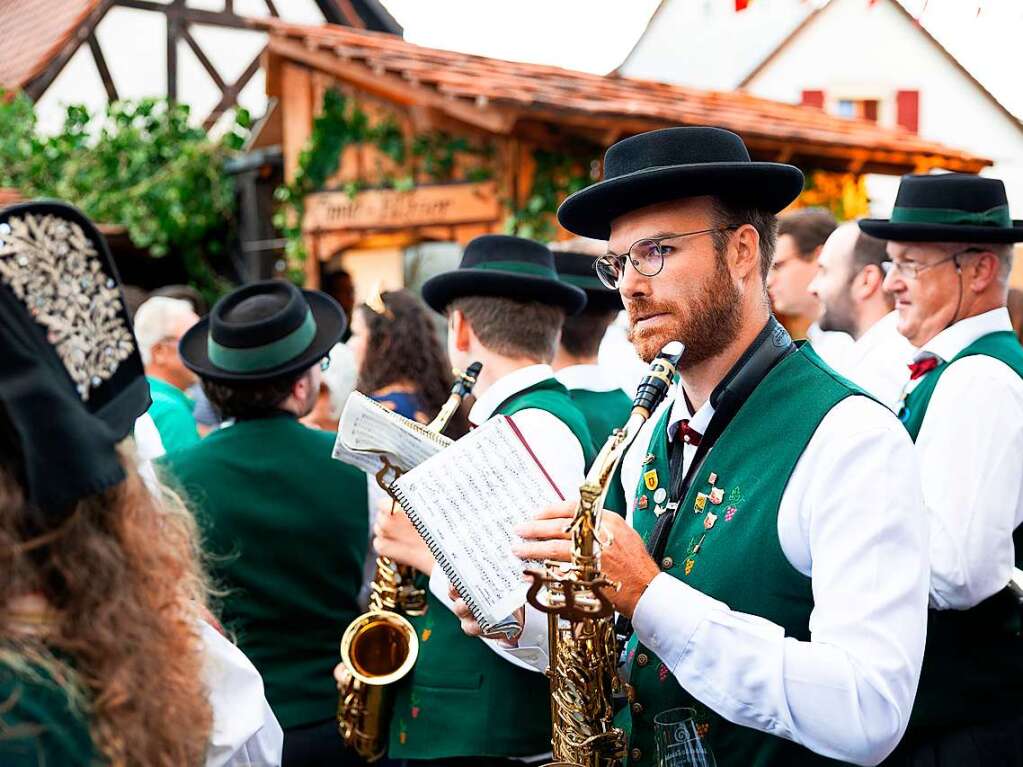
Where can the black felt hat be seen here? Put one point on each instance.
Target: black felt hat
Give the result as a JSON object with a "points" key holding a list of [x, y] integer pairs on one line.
{"points": [[71, 381], [948, 207], [262, 331], [507, 267], [674, 163], [575, 267]]}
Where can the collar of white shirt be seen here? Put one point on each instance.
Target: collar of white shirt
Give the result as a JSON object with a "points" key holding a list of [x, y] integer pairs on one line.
{"points": [[950, 341], [586, 377], [698, 421], [505, 387]]}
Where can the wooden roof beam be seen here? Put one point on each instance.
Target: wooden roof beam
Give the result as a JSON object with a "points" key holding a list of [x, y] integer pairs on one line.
{"points": [[394, 88]]}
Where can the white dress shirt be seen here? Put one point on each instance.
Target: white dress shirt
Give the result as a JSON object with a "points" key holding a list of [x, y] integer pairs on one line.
{"points": [[878, 361], [830, 345], [970, 449], [594, 378], [618, 356], [850, 519], [245, 731]]}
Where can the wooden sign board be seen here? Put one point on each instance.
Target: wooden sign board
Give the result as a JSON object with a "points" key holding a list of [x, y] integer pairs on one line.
{"points": [[390, 209]]}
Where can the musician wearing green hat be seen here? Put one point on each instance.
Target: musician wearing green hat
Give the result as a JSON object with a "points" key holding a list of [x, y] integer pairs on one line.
{"points": [[284, 525], [950, 248], [463, 704]]}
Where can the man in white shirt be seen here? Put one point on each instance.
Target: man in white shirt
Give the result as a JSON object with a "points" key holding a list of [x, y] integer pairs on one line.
{"points": [[950, 246], [773, 561], [462, 704], [848, 286]]}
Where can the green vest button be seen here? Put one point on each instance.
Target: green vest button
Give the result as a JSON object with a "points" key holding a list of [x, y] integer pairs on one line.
{"points": [[667, 563], [637, 709], [635, 755], [642, 659]]}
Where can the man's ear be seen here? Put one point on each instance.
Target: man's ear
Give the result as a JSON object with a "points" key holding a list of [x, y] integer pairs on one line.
{"points": [[867, 283], [744, 252], [461, 332], [986, 270]]}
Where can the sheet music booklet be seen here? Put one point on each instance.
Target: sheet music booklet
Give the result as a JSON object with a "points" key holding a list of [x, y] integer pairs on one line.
{"points": [[465, 501], [369, 432]]}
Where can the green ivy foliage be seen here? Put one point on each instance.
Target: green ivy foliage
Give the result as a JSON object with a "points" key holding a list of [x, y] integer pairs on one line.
{"points": [[140, 165], [342, 123], [556, 176]]}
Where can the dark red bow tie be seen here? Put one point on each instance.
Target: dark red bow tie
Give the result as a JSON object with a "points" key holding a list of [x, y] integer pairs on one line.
{"points": [[688, 434], [922, 367]]}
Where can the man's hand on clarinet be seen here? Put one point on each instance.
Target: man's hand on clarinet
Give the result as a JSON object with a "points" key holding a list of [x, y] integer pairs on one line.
{"points": [[623, 555], [395, 537]]}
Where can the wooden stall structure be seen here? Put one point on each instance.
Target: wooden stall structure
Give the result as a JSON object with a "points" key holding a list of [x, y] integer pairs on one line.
{"points": [[438, 146]]}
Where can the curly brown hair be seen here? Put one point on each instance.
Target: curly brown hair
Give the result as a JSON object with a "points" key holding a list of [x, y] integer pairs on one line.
{"points": [[404, 348], [121, 578]]}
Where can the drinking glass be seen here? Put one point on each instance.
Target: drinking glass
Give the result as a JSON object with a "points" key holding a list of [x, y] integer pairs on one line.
{"points": [[678, 742]]}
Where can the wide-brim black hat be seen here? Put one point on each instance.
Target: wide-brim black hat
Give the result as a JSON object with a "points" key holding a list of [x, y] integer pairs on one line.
{"points": [[577, 269], [505, 267], [948, 207], [672, 164], [263, 331], [72, 382]]}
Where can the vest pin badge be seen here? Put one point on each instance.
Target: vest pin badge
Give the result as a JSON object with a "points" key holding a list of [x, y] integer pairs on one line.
{"points": [[713, 478], [701, 502], [661, 495], [650, 458], [689, 566], [642, 502], [709, 520], [658, 510], [717, 495], [650, 479]]}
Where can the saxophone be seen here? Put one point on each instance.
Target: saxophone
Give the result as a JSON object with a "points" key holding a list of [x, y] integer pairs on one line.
{"points": [[380, 646], [583, 648]]}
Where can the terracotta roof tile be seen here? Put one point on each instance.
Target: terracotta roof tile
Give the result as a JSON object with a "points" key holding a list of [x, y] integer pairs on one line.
{"points": [[32, 33], [550, 92]]}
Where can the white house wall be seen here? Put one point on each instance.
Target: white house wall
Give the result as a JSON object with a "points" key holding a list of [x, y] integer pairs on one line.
{"points": [[134, 46], [853, 53]]}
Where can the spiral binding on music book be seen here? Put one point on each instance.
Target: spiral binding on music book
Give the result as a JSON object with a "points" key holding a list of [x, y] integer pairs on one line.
{"points": [[508, 626]]}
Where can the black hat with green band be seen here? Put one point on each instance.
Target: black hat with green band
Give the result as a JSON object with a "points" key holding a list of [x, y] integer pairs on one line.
{"points": [[505, 267], [948, 207], [575, 267], [262, 331]]}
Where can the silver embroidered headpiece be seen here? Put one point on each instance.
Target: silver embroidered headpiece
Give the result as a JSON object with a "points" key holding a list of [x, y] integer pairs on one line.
{"points": [[55, 270]]}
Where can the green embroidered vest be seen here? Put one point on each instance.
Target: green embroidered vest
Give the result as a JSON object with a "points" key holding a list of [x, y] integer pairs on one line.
{"points": [[973, 663], [461, 698], [724, 542]]}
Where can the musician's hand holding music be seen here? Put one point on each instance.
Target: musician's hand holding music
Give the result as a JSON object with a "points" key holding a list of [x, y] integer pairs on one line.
{"points": [[395, 537], [623, 559]]}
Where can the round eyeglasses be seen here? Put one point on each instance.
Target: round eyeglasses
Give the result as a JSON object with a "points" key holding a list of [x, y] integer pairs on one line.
{"points": [[910, 270], [646, 256]]}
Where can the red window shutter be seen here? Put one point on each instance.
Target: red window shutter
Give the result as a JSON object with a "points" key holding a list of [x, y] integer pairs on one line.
{"points": [[813, 99], [870, 110], [907, 110], [741, 5]]}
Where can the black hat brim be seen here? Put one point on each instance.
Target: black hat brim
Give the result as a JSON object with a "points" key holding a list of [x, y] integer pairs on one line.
{"points": [[765, 185], [330, 326], [883, 229], [442, 289]]}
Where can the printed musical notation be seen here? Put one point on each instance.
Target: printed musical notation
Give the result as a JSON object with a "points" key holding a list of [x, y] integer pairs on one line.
{"points": [[465, 502]]}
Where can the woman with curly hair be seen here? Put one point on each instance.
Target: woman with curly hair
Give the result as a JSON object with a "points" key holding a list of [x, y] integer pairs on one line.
{"points": [[104, 657], [400, 360]]}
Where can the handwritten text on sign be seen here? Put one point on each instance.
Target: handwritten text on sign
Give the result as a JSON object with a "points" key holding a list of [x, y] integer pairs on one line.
{"points": [[388, 208]]}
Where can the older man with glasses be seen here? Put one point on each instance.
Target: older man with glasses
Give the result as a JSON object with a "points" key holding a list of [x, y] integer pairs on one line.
{"points": [[773, 555], [950, 244]]}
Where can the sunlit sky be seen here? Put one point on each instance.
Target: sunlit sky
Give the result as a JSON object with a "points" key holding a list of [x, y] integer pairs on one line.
{"points": [[596, 35]]}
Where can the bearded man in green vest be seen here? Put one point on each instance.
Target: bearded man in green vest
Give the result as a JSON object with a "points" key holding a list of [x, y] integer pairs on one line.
{"points": [[772, 560], [284, 525], [950, 244], [463, 704]]}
